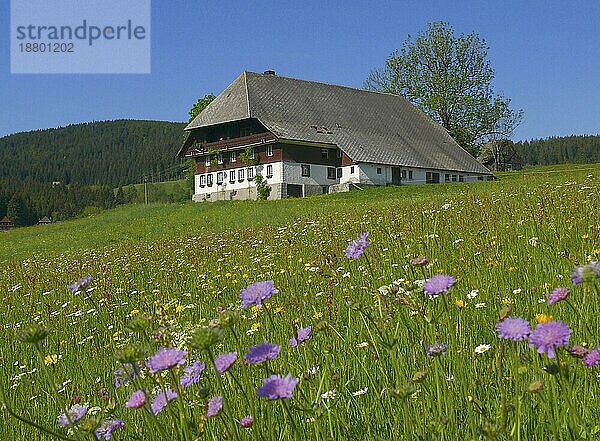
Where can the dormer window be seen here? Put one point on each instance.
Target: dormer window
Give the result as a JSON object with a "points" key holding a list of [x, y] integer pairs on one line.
{"points": [[207, 160], [233, 157]]}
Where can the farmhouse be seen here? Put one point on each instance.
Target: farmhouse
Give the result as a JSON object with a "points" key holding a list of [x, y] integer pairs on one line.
{"points": [[307, 138]]}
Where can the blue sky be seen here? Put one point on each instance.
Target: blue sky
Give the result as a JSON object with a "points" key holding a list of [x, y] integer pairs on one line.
{"points": [[546, 55]]}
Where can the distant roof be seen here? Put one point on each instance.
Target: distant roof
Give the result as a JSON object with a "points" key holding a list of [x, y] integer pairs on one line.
{"points": [[45, 220], [368, 126], [5, 220]]}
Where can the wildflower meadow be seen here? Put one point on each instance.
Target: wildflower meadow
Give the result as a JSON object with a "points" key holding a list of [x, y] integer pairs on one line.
{"points": [[466, 311]]}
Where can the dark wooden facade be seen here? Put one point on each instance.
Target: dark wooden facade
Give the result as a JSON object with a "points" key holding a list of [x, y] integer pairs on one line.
{"points": [[237, 136]]}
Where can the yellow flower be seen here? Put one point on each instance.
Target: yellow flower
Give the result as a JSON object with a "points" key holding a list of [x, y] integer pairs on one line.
{"points": [[135, 311], [460, 303], [256, 325], [543, 318], [228, 275], [50, 360], [317, 315], [507, 301], [585, 236], [179, 308], [279, 310], [255, 308]]}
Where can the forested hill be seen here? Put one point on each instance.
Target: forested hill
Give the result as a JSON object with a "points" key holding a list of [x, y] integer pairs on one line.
{"points": [[568, 149], [110, 153]]}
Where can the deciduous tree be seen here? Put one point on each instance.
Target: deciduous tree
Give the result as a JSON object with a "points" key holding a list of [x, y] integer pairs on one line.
{"points": [[449, 77]]}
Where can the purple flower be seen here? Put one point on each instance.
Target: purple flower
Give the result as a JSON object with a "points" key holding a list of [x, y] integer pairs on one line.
{"points": [[127, 373], [592, 358], [262, 352], [191, 374], [136, 400], [246, 421], [356, 247], [75, 413], [161, 400], [215, 405], [549, 336], [257, 292], [108, 427], [438, 284], [584, 273], [103, 393], [419, 261], [276, 387], [302, 335], [436, 349], [559, 294], [165, 358], [513, 328], [577, 351], [224, 361], [81, 283]]}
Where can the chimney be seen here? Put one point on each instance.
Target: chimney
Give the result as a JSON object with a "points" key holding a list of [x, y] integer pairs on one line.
{"points": [[269, 72]]}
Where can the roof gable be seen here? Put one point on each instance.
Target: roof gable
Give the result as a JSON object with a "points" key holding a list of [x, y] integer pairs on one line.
{"points": [[230, 105]]}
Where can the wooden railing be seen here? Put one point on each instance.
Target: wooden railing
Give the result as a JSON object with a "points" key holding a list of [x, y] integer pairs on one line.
{"points": [[200, 148]]}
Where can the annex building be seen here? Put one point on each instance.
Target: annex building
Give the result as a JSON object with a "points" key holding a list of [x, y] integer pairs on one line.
{"points": [[308, 138]]}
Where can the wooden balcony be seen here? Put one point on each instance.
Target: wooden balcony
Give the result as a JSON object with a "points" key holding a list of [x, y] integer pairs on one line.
{"points": [[199, 148]]}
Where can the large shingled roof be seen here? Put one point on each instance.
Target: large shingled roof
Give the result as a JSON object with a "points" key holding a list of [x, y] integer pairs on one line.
{"points": [[368, 126]]}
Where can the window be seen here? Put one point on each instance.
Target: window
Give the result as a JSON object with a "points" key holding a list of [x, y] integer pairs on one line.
{"points": [[269, 171], [233, 156], [252, 154], [403, 174], [461, 178], [269, 150], [352, 170], [202, 180], [241, 175], [220, 177], [339, 154], [330, 172], [251, 173], [305, 170], [220, 158], [432, 178], [232, 176], [453, 178], [410, 175], [207, 160], [480, 178], [339, 173], [209, 179], [379, 170], [447, 177], [324, 153], [325, 189]]}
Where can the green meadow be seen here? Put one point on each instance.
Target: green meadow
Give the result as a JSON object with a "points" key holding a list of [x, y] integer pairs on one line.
{"points": [[170, 275]]}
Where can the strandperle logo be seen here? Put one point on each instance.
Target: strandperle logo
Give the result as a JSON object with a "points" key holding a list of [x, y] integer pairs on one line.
{"points": [[80, 36], [85, 32]]}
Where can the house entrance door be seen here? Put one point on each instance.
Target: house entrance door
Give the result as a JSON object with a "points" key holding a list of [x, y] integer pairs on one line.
{"points": [[396, 180]]}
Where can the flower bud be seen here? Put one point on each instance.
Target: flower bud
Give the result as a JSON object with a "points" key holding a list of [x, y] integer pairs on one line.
{"points": [[205, 337], [32, 334]]}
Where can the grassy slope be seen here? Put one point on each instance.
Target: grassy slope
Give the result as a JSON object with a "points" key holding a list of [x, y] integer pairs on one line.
{"points": [[182, 263], [154, 222]]}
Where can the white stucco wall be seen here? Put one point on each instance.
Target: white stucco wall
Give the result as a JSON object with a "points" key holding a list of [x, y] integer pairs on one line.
{"points": [[291, 173], [238, 185]]}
